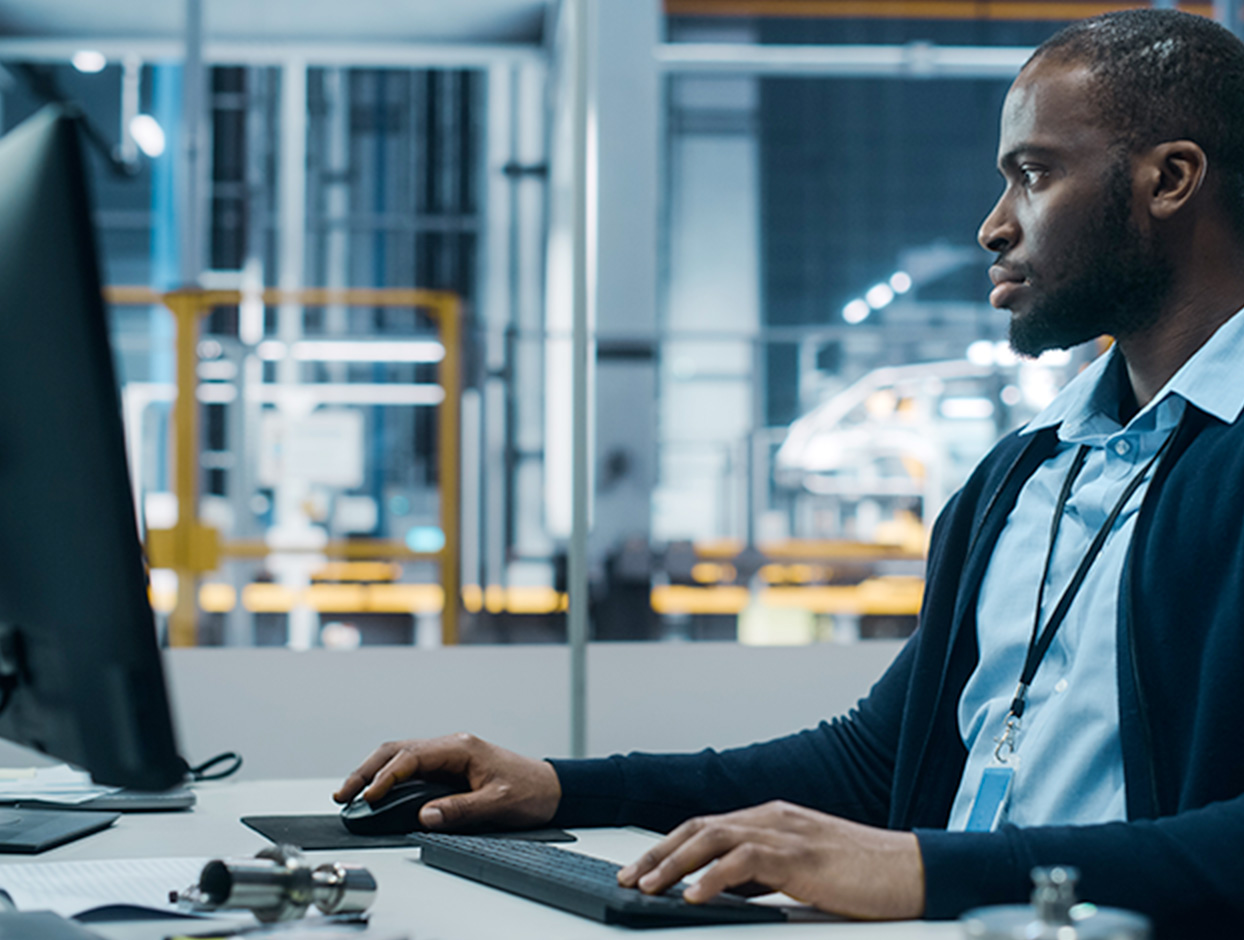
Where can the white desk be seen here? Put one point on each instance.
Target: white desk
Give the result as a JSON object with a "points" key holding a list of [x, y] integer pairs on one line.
{"points": [[412, 900]]}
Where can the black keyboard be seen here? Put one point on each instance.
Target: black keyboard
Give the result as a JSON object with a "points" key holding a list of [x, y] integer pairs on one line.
{"points": [[577, 883]]}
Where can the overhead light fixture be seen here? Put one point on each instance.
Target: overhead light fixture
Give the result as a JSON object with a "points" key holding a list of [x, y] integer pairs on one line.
{"points": [[879, 295], [321, 350], [148, 134], [856, 311], [89, 61], [340, 393]]}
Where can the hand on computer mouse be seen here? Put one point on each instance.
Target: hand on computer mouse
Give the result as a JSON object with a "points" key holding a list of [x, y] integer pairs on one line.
{"points": [[506, 789]]}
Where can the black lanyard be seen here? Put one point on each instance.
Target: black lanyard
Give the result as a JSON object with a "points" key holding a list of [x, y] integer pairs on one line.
{"points": [[1039, 643]]}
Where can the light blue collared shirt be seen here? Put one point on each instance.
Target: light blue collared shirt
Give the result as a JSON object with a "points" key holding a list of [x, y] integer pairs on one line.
{"points": [[1069, 760]]}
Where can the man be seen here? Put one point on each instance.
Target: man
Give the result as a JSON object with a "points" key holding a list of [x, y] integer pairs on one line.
{"points": [[1094, 558]]}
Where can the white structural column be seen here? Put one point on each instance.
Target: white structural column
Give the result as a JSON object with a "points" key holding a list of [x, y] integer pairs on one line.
{"points": [[627, 141], [528, 88], [293, 528], [495, 314], [601, 294]]}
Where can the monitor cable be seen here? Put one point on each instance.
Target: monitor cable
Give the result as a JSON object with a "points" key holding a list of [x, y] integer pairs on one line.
{"points": [[225, 764]]}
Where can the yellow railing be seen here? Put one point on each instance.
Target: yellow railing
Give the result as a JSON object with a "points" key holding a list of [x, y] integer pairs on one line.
{"points": [[191, 548]]}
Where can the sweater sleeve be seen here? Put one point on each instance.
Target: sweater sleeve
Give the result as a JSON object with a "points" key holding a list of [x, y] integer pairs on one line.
{"points": [[1184, 871], [844, 767]]}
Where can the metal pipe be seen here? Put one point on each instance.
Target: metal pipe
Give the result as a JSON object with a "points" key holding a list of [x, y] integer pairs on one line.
{"points": [[263, 52], [577, 575], [911, 60], [131, 73], [191, 260]]}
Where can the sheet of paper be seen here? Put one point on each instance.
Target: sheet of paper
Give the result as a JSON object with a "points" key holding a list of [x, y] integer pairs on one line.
{"points": [[59, 783], [72, 888]]}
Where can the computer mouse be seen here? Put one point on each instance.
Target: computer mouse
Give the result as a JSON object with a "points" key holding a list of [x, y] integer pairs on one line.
{"points": [[397, 812]]}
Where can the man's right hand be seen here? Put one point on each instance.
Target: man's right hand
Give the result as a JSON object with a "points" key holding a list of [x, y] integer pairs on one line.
{"points": [[506, 789]]}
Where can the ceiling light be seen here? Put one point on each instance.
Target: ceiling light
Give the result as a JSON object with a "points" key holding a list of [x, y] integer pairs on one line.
{"points": [[856, 311], [148, 134], [901, 282], [89, 61], [879, 295], [368, 351]]}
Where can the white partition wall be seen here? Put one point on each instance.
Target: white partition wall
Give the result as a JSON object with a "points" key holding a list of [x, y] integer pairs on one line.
{"points": [[317, 713]]}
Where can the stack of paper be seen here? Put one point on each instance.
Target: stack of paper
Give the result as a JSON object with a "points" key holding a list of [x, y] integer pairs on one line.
{"points": [[74, 888], [57, 784]]}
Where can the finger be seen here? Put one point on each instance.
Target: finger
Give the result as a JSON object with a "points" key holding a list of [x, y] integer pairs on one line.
{"points": [[747, 864], [427, 759], [711, 842], [399, 760], [365, 772], [629, 876]]}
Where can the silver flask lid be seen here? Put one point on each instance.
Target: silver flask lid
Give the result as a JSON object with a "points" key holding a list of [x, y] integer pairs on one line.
{"points": [[1054, 914]]}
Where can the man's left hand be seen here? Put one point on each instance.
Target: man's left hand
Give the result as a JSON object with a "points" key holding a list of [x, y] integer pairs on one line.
{"points": [[833, 864]]}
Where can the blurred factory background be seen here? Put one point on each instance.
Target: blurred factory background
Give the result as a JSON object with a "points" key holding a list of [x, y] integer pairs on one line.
{"points": [[348, 234]]}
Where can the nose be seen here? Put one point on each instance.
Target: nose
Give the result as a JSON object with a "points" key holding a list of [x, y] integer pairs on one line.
{"points": [[999, 232]]}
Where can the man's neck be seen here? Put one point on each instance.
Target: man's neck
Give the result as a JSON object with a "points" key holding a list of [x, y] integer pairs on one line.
{"points": [[1156, 354]]}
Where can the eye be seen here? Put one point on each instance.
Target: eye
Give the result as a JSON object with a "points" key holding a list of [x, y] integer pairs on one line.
{"points": [[1031, 174]]}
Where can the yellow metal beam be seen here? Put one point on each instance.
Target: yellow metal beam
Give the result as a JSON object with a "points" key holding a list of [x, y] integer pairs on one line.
{"points": [[191, 549], [183, 621]]}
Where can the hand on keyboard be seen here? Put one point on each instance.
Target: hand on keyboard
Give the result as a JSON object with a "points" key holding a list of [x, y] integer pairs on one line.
{"points": [[834, 864], [507, 789]]}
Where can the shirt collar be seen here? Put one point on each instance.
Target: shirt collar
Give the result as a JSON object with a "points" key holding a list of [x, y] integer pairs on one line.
{"points": [[1211, 380]]}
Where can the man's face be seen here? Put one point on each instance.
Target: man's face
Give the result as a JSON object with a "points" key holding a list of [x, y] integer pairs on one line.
{"points": [[1073, 262]]}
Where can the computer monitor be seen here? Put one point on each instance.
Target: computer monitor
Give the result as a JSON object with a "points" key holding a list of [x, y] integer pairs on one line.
{"points": [[80, 669]]}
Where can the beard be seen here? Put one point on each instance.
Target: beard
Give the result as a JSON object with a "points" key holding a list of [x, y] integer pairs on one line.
{"points": [[1114, 281]]}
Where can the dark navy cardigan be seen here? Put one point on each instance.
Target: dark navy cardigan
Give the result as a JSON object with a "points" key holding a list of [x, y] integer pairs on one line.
{"points": [[896, 759]]}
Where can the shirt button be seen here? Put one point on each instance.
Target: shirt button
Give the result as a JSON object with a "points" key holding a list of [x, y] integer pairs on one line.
{"points": [[1121, 448], [1061, 686]]}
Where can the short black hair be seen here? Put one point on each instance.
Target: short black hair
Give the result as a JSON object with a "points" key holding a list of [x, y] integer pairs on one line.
{"points": [[1165, 75]]}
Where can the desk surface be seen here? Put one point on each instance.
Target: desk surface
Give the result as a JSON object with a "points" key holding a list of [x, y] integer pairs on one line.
{"points": [[412, 900]]}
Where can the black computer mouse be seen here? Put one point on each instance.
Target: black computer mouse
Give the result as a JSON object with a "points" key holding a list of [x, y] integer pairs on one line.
{"points": [[397, 812]]}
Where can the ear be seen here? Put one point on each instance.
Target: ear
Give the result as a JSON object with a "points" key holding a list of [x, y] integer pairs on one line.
{"points": [[1172, 173]]}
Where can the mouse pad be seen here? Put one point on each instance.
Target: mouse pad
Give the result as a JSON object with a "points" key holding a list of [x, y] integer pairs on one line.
{"points": [[326, 832]]}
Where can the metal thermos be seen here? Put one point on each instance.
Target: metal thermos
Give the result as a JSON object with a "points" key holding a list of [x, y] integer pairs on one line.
{"points": [[1054, 915]]}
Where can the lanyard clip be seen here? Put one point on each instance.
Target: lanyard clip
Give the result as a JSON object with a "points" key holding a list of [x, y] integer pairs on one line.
{"points": [[1009, 739]]}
